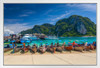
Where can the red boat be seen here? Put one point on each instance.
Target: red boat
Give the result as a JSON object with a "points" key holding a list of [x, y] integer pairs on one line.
{"points": [[25, 49], [69, 48]]}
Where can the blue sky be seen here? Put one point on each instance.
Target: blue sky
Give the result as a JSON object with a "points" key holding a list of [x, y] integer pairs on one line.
{"points": [[18, 17]]}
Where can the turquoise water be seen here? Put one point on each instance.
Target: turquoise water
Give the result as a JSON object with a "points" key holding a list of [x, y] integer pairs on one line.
{"points": [[78, 40]]}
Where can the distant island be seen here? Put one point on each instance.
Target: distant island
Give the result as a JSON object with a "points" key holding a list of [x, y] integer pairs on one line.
{"points": [[74, 25]]}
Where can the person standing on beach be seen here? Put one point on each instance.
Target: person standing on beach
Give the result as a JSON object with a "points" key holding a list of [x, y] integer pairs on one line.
{"points": [[85, 46], [73, 44], [63, 45], [14, 45]]}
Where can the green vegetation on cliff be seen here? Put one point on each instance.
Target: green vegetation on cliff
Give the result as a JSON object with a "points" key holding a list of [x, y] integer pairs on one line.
{"points": [[75, 25]]}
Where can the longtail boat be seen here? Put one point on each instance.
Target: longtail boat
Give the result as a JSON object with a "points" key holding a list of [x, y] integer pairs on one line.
{"points": [[52, 50], [33, 49], [69, 48], [7, 49], [42, 49], [91, 47], [79, 49], [59, 49], [24, 49]]}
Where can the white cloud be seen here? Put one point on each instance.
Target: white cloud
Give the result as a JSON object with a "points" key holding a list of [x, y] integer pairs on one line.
{"points": [[48, 12], [13, 20], [30, 12], [53, 18], [23, 15], [51, 22], [16, 28], [84, 7], [61, 16], [7, 31]]}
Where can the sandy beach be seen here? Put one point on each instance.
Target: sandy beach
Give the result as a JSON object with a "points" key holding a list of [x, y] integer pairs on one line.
{"points": [[64, 58]]}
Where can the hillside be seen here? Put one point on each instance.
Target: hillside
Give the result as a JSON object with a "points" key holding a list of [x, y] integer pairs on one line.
{"points": [[75, 25]]}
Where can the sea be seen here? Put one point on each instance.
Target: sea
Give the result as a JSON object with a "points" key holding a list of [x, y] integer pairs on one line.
{"points": [[59, 40]]}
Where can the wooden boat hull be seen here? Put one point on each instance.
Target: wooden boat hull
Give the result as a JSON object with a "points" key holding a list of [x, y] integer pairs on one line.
{"points": [[17, 49], [78, 48], [34, 50], [42, 50], [87, 48], [48, 48], [91, 47], [59, 49], [94, 47], [69, 48], [52, 49], [62, 47], [24, 50], [7, 49]]}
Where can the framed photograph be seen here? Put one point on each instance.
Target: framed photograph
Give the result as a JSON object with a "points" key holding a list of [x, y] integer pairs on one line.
{"points": [[50, 33]]}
